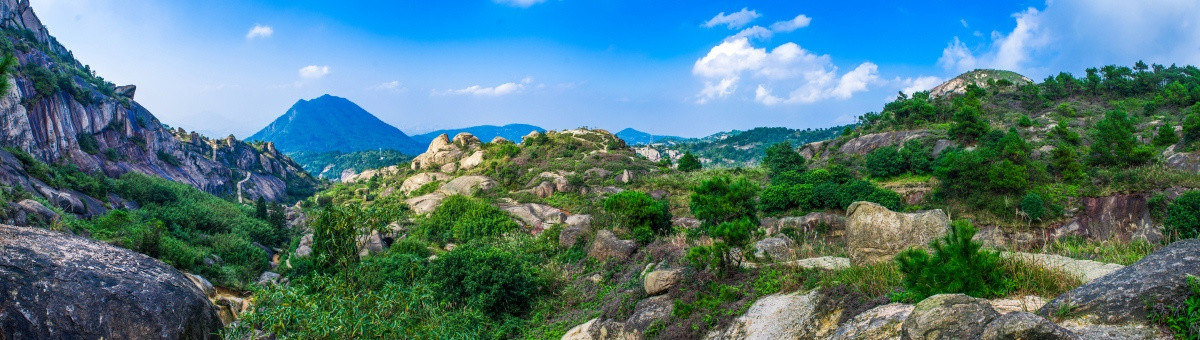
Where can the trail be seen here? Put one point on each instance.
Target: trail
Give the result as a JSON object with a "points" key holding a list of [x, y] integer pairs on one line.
{"points": [[239, 186]]}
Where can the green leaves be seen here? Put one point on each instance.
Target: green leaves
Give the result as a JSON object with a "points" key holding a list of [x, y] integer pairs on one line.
{"points": [[1183, 216], [957, 265], [461, 219], [688, 162], [640, 214]]}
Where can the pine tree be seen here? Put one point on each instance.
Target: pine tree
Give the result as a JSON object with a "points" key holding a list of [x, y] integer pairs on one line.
{"points": [[688, 162]]}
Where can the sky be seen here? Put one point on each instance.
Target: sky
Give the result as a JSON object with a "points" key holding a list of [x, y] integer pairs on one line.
{"points": [[685, 68]]}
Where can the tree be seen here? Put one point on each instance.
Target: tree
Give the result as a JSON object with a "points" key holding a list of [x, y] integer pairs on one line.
{"points": [[260, 208], [782, 157], [1183, 216], [1113, 142], [639, 213], [1191, 125], [885, 162], [968, 126], [688, 162], [1065, 161], [6, 67], [728, 236], [958, 265], [1033, 207], [721, 199], [1166, 136]]}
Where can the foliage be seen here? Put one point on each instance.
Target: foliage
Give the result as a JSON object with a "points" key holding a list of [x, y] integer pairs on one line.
{"points": [[330, 164], [958, 265], [722, 199], [1166, 136], [1183, 216], [781, 158], [88, 143], [1114, 144], [486, 279], [688, 162], [1183, 318], [168, 158], [640, 214], [728, 237], [968, 126], [1033, 207], [885, 162], [461, 219], [1109, 251]]}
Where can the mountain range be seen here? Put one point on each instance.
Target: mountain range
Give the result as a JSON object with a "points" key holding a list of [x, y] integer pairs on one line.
{"points": [[512, 132], [635, 137]]}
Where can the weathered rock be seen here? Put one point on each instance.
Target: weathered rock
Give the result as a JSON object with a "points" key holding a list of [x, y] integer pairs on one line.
{"points": [[829, 224], [472, 161], [958, 85], [64, 286], [546, 189], [625, 177], [443, 152], [941, 145], [268, 278], [685, 222], [305, 247], [1120, 298], [876, 234], [823, 262], [417, 181], [597, 173], [577, 225], [814, 149], [782, 316], [949, 316], [370, 244], [775, 248], [865, 144], [203, 284], [595, 329], [34, 208], [1123, 217], [659, 281], [1186, 161], [425, 203], [647, 311], [536, 216], [607, 246], [1025, 326], [1029, 303], [499, 140], [468, 185], [883, 322]]}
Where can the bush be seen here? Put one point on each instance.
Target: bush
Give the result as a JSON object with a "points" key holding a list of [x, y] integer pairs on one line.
{"points": [[782, 157], [885, 162], [958, 265], [461, 219], [1114, 144], [1166, 136], [88, 143], [168, 158], [487, 279], [1183, 216], [1191, 125], [688, 162], [1033, 207], [776, 198], [639, 213], [728, 236], [721, 199], [1025, 121]]}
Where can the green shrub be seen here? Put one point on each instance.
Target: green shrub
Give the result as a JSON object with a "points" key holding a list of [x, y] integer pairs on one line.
{"points": [[721, 199], [1033, 207], [1183, 216], [336, 230], [968, 126], [885, 162], [639, 213], [487, 279], [1025, 121], [958, 265], [460, 219], [88, 143], [1166, 136], [688, 162], [1114, 144], [1191, 125], [112, 155], [168, 158], [728, 237], [782, 157]]}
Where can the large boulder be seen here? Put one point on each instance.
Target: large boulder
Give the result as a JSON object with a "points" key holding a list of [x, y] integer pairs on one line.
{"points": [[1120, 298], [647, 311], [775, 248], [1025, 326], [659, 281], [426, 203], [608, 246], [536, 216], [595, 329], [948, 317], [577, 225], [450, 155], [882, 322], [417, 181], [58, 286], [782, 316], [865, 144], [876, 234], [468, 185]]}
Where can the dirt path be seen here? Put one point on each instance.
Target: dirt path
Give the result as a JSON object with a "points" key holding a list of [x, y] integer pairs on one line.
{"points": [[239, 186]]}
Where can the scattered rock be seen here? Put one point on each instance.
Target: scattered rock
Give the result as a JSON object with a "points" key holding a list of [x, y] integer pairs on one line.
{"points": [[883, 322], [34, 208], [305, 247], [949, 316], [268, 278], [775, 248], [1025, 325], [468, 185], [650, 310], [370, 244], [659, 281], [64, 286], [536, 216], [607, 245], [625, 177], [876, 234], [442, 152], [1121, 297], [417, 181], [546, 189]]}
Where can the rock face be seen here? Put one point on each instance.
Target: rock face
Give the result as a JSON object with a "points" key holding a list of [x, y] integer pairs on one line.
{"points": [[1122, 217], [980, 78], [417, 181], [63, 286], [883, 322], [782, 316], [468, 185], [876, 234], [1025, 325], [536, 216], [463, 152], [607, 245], [865, 144], [1121, 297], [949, 316]]}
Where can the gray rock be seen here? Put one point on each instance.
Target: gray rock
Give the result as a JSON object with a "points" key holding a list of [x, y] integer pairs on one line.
{"points": [[577, 225], [34, 208], [625, 177], [546, 189], [685, 222], [1121, 297], [941, 145], [659, 281], [203, 284], [607, 245], [883, 322], [468, 185], [865, 144], [774, 248], [782, 316], [949, 316], [876, 234], [1025, 326], [268, 278], [67, 287], [648, 311]]}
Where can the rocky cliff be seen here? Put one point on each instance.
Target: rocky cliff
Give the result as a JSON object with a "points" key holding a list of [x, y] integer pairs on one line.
{"points": [[57, 110]]}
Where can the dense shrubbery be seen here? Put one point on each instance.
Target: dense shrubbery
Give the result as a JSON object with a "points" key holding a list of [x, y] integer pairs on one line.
{"points": [[639, 214], [486, 279], [1182, 317], [723, 199], [958, 265], [460, 219], [1183, 216]]}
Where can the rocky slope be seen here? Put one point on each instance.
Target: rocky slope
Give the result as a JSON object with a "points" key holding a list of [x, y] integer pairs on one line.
{"points": [[60, 112], [329, 123]]}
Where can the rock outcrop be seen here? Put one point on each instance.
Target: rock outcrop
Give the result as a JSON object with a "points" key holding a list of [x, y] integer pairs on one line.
{"points": [[1025, 325], [865, 144], [876, 234], [608, 246], [659, 281], [463, 152], [948, 317], [783, 316], [882, 322], [981, 78], [64, 286]]}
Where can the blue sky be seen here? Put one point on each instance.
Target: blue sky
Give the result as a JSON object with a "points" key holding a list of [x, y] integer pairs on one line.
{"points": [[685, 68]]}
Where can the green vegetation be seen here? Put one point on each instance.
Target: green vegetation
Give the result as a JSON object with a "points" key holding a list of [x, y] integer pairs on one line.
{"points": [[958, 265], [330, 164], [461, 219], [639, 214], [1108, 251], [688, 162], [1183, 318], [1183, 216]]}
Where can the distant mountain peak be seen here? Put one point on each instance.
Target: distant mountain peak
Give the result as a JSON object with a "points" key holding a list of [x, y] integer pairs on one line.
{"points": [[332, 123]]}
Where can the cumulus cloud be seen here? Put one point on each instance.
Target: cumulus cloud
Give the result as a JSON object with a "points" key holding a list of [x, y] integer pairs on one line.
{"points": [[733, 20], [809, 76], [519, 3], [800, 21], [260, 31], [918, 84], [314, 71], [754, 32], [1071, 35], [391, 86], [492, 91]]}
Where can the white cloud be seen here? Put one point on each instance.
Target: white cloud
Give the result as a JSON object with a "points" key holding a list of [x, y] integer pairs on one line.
{"points": [[964, 23], [812, 77], [493, 91], [733, 20], [260, 31], [519, 3], [754, 32], [314, 71], [1069, 35], [800, 21], [391, 86], [918, 84]]}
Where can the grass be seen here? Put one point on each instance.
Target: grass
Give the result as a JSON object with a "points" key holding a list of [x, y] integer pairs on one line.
{"points": [[1110, 251], [1031, 279], [874, 280]]}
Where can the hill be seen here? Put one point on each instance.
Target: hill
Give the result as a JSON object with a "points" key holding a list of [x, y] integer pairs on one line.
{"points": [[995, 79], [635, 137], [512, 132], [329, 123], [735, 148]]}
